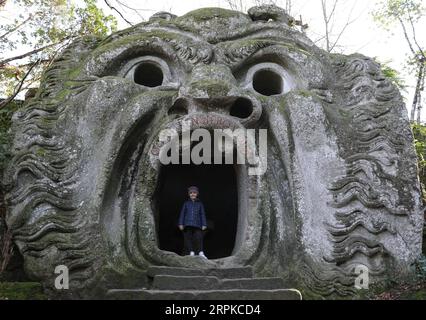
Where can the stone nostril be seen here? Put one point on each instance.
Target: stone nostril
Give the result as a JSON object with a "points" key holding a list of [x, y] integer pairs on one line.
{"points": [[241, 108], [180, 107]]}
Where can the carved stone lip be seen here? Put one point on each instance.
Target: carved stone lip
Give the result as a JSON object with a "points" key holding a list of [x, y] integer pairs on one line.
{"points": [[199, 120]]}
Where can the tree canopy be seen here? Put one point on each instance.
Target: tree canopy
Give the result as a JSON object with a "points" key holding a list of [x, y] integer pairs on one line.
{"points": [[31, 39]]}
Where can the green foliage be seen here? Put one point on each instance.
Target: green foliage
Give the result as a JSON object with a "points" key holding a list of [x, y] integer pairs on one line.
{"points": [[421, 268], [50, 21], [93, 21], [393, 75], [390, 11], [406, 14], [48, 26], [5, 122], [419, 131]]}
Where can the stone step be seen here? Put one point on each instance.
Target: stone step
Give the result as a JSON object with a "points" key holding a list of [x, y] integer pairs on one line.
{"points": [[167, 282], [141, 294], [229, 273], [253, 284]]}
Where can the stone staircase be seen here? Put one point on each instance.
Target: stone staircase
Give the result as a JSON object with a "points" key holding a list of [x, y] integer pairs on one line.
{"points": [[170, 283]]}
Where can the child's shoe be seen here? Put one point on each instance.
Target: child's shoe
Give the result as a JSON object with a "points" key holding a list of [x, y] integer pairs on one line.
{"points": [[192, 253], [202, 255]]}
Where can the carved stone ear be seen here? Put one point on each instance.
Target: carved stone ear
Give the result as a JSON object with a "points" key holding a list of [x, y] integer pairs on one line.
{"points": [[270, 12], [162, 15]]}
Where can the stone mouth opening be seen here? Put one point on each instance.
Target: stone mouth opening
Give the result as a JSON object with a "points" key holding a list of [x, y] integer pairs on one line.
{"points": [[219, 192]]}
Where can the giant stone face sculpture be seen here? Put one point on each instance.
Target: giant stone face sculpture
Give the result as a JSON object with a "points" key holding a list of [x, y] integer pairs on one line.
{"points": [[340, 188]]}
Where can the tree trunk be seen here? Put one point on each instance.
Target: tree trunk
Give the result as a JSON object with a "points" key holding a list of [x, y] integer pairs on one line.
{"points": [[420, 90], [416, 100]]}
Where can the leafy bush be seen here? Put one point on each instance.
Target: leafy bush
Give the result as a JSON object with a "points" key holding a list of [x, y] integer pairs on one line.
{"points": [[5, 122]]}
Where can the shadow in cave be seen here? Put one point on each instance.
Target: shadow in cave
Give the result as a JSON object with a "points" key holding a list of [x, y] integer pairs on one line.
{"points": [[218, 192]]}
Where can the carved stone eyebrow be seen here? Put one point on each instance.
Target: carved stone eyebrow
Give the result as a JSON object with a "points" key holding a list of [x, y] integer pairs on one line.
{"points": [[188, 46], [172, 45], [236, 51], [193, 53]]}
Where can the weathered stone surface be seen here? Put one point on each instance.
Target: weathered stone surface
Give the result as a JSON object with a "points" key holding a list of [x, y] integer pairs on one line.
{"points": [[166, 282], [243, 272], [235, 294], [185, 283], [253, 284], [211, 284], [340, 190]]}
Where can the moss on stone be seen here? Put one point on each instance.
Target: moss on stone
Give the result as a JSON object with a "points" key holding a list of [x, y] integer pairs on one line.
{"points": [[211, 87], [205, 14], [21, 291], [41, 152], [305, 93], [73, 73], [134, 39]]}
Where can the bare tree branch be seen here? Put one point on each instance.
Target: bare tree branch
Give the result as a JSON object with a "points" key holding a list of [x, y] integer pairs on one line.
{"points": [[319, 39], [19, 86], [326, 20], [420, 61], [121, 4], [406, 36], [332, 10], [238, 5], [331, 39], [415, 39], [131, 8], [417, 104], [347, 24], [42, 61], [288, 6], [30, 53], [420, 90], [339, 36], [116, 10], [16, 27]]}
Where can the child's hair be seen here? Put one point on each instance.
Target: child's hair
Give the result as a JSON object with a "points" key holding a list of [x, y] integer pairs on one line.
{"points": [[192, 189]]}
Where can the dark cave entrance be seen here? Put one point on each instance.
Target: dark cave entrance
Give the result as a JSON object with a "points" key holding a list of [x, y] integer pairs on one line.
{"points": [[218, 191]]}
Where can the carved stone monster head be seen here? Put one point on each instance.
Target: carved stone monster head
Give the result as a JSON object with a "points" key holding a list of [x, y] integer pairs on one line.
{"points": [[340, 188]]}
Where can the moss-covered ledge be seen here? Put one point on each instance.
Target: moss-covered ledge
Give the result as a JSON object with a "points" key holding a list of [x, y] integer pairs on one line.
{"points": [[21, 291]]}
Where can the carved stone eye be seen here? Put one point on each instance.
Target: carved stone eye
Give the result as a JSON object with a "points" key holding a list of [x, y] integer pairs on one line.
{"points": [[269, 79], [148, 71], [148, 74], [267, 82]]}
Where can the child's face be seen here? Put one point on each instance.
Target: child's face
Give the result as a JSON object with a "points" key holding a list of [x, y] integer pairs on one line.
{"points": [[193, 195]]}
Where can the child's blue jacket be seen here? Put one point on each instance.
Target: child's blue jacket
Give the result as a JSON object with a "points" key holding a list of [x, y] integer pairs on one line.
{"points": [[193, 214]]}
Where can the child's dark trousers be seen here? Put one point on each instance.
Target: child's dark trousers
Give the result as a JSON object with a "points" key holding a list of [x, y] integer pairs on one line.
{"points": [[193, 240]]}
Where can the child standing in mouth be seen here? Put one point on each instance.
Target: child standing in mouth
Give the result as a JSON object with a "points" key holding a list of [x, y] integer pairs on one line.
{"points": [[192, 221]]}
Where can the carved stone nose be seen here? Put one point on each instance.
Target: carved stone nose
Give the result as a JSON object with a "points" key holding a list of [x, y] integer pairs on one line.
{"points": [[209, 82], [213, 89], [245, 109]]}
